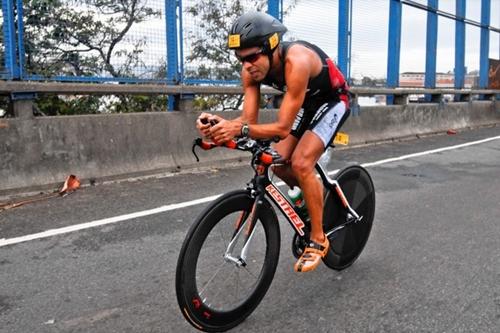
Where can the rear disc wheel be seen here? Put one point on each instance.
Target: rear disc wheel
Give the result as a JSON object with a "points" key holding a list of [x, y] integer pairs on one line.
{"points": [[347, 244]]}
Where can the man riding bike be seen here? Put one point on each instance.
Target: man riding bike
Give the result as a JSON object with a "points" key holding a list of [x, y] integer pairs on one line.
{"points": [[314, 107]]}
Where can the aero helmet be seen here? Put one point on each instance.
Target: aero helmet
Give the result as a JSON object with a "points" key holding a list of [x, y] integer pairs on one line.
{"points": [[256, 29]]}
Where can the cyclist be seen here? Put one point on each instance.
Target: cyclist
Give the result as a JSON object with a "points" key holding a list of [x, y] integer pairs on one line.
{"points": [[314, 107]]}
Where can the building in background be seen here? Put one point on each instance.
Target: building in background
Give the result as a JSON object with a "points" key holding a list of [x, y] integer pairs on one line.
{"points": [[443, 80], [494, 74]]}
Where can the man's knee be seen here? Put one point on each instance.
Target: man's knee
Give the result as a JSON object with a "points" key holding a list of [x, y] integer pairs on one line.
{"points": [[302, 166]]}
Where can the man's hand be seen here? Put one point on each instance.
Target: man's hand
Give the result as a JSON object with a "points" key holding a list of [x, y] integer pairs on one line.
{"points": [[225, 130], [203, 124]]}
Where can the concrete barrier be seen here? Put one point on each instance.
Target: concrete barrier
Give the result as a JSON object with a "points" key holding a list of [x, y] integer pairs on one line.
{"points": [[377, 123], [39, 153]]}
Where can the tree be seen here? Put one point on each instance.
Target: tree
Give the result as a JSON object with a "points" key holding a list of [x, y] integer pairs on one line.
{"points": [[367, 81], [209, 50], [85, 38], [209, 54]]}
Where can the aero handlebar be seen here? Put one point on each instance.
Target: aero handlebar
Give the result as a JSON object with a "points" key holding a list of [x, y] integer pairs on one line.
{"points": [[260, 149]]}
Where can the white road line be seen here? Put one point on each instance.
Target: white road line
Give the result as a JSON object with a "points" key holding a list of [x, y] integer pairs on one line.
{"points": [[110, 220], [429, 152], [162, 209]]}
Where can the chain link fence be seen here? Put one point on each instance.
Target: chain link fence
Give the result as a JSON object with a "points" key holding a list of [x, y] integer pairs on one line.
{"points": [[94, 40], [135, 40]]}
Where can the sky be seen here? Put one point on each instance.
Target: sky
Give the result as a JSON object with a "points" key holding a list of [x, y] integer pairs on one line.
{"points": [[317, 21]]}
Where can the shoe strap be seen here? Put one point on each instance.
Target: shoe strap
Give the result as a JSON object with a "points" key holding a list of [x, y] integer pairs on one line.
{"points": [[316, 246]]}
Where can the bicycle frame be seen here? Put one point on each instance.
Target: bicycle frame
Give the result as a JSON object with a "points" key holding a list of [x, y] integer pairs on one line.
{"points": [[293, 218], [262, 185]]}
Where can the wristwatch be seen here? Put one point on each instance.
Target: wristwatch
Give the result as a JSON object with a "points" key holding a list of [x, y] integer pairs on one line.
{"points": [[245, 130]]}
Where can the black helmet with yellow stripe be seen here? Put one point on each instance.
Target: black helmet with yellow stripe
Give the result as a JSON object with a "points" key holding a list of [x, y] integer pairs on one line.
{"points": [[256, 29]]}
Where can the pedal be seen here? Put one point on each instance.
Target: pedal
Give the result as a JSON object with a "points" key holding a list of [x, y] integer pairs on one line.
{"points": [[298, 245]]}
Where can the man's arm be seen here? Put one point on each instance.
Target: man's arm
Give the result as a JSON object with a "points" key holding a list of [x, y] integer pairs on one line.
{"points": [[298, 71], [249, 115]]}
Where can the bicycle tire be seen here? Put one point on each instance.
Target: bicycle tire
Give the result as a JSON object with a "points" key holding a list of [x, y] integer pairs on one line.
{"points": [[202, 311], [347, 244]]}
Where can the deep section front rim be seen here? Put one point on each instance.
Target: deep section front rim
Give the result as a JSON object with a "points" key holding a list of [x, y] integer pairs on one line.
{"points": [[216, 294]]}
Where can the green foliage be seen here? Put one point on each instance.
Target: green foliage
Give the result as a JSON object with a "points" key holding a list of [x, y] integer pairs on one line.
{"points": [[87, 38], [83, 38], [217, 102], [54, 105], [139, 103], [209, 56], [208, 51]]}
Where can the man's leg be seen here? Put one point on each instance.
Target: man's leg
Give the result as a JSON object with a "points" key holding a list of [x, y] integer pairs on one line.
{"points": [[325, 123], [307, 152], [285, 148]]}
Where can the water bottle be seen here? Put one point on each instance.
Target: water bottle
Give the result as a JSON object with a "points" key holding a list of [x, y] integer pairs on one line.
{"points": [[295, 194]]}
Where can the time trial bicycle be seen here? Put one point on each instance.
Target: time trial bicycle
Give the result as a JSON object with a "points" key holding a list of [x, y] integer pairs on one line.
{"points": [[230, 254]]}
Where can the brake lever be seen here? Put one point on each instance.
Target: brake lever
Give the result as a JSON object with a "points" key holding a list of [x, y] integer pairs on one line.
{"points": [[213, 122], [196, 142]]}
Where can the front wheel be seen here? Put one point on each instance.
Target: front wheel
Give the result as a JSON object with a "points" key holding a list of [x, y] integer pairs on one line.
{"points": [[218, 288], [346, 244]]}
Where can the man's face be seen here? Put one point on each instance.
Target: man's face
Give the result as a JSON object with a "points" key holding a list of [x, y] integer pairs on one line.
{"points": [[254, 62]]}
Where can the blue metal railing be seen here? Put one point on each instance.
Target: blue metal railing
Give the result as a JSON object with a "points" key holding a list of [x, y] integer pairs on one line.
{"points": [[15, 66], [9, 36], [459, 44], [344, 36], [485, 43], [395, 12]]}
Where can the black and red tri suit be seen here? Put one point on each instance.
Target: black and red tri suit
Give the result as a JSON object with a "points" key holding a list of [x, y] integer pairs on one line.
{"points": [[324, 94]]}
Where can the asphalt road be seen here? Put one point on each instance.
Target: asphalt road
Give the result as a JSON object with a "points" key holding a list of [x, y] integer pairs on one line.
{"points": [[432, 263]]}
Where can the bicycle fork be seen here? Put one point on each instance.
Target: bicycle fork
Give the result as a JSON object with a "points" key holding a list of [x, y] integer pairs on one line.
{"points": [[245, 227]]}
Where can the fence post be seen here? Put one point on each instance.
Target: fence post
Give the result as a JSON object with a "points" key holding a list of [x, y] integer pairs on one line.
{"points": [[273, 9], [485, 44], [459, 46], [9, 34], [172, 49], [431, 47], [20, 38], [394, 47], [343, 39]]}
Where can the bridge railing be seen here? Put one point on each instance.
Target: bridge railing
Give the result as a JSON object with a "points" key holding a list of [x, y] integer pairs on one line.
{"points": [[23, 93]]}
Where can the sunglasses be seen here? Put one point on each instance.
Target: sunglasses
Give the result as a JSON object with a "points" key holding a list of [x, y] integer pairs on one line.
{"points": [[251, 58]]}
